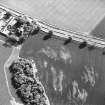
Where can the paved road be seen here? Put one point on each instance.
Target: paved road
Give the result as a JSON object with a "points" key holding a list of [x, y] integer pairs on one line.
{"points": [[76, 18], [79, 15]]}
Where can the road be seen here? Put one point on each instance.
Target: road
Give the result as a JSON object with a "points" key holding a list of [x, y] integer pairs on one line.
{"points": [[78, 15], [4, 54]]}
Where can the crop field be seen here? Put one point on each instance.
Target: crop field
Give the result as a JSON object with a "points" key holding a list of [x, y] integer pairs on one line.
{"points": [[71, 74], [76, 15], [4, 54]]}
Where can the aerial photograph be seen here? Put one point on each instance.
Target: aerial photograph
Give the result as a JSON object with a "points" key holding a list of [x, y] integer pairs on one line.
{"points": [[52, 52]]}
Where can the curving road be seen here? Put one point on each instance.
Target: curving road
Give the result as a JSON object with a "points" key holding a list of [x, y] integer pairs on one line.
{"points": [[4, 54]]}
